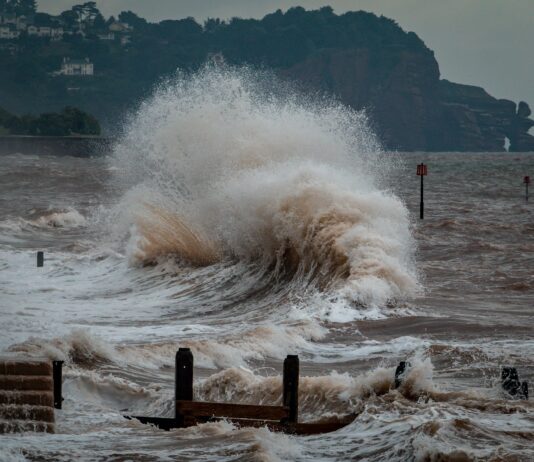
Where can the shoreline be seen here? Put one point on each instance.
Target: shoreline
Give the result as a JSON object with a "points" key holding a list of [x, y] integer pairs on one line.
{"points": [[98, 146], [75, 146]]}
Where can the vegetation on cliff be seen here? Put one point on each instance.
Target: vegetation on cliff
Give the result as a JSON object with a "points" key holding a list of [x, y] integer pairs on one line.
{"points": [[70, 121], [364, 60]]}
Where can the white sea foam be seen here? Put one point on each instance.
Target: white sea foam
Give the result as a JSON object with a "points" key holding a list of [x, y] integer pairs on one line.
{"points": [[217, 167], [61, 219]]}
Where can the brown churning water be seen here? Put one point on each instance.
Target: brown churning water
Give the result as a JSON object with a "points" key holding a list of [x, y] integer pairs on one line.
{"points": [[246, 225]]}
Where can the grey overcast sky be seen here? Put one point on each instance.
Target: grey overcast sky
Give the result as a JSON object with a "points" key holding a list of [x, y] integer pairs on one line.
{"points": [[481, 42]]}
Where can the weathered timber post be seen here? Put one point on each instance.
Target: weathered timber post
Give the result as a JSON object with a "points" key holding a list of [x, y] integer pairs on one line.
{"points": [[399, 372], [526, 181], [291, 387], [183, 380], [511, 384], [422, 171], [57, 374], [40, 259]]}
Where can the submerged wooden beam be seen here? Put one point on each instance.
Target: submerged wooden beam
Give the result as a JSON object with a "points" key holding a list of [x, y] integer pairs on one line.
{"points": [[165, 423], [230, 410], [310, 428]]}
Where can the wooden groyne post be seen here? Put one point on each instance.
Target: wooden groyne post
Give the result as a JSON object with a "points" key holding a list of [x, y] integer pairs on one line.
{"points": [[290, 385], [277, 418], [183, 385]]}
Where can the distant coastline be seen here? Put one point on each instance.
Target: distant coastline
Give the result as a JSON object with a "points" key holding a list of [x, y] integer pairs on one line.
{"points": [[106, 66], [77, 146]]}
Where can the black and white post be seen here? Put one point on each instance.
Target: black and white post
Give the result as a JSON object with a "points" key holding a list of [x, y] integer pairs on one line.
{"points": [[422, 171]]}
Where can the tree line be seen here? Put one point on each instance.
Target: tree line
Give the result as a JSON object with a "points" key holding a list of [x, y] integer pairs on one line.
{"points": [[70, 121]]}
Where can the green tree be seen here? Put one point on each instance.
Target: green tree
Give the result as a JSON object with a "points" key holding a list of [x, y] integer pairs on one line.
{"points": [[86, 12], [18, 7], [133, 20], [79, 122]]}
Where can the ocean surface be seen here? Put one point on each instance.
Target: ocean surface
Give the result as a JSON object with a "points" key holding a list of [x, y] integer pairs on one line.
{"points": [[248, 226]]}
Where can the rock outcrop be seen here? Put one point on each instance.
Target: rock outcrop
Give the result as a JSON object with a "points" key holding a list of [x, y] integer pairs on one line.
{"points": [[410, 107], [520, 139]]}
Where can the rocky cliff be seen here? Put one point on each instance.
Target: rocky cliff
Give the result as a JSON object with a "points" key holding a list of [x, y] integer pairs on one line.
{"points": [[410, 107]]}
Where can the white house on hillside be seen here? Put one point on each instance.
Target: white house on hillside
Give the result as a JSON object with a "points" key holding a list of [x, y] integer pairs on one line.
{"points": [[8, 32], [81, 67], [118, 26], [55, 33]]}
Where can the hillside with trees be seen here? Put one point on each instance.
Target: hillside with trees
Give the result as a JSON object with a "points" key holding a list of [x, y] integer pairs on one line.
{"points": [[106, 66], [70, 121]]}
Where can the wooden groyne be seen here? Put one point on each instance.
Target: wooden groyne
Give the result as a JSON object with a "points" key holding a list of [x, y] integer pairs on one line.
{"points": [[30, 389], [282, 418], [77, 146]]}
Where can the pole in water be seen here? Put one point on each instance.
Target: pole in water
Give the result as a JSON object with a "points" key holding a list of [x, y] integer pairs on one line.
{"points": [[512, 385], [526, 181], [400, 372], [57, 372], [183, 380], [422, 171], [40, 259], [291, 387]]}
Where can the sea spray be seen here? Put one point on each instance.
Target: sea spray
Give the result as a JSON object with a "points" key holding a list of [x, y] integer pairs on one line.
{"points": [[219, 166]]}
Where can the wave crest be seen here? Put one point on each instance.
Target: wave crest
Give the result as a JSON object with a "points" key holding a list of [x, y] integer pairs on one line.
{"points": [[234, 171]]}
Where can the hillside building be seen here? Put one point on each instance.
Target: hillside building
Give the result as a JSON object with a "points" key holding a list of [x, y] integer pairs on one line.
{"points": [[76, 67], [8, 32]]}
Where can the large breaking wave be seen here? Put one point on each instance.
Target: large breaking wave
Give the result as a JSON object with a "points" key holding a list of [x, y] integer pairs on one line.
{"points": [[230, 165]]}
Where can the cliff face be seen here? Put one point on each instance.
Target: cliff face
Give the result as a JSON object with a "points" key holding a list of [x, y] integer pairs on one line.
{"points": [[400, 97], [477, 121], [410, 107]]}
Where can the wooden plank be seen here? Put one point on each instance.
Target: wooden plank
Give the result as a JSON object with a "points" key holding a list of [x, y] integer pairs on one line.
{"points": [[17, 426], [25, 367], [318, 428], [165, 423], [26, 382], [230, 410], [312, 428], [25, 412], [35, 398]]}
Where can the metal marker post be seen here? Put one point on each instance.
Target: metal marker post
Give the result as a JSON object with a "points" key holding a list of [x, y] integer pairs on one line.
{"points": [[526, 181], [422, 170]]}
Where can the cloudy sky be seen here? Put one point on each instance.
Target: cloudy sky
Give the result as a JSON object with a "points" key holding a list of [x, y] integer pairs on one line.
{"points": [[483, 42]]}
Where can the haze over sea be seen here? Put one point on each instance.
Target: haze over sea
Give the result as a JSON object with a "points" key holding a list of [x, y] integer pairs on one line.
{"points": [[246, 222]]}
